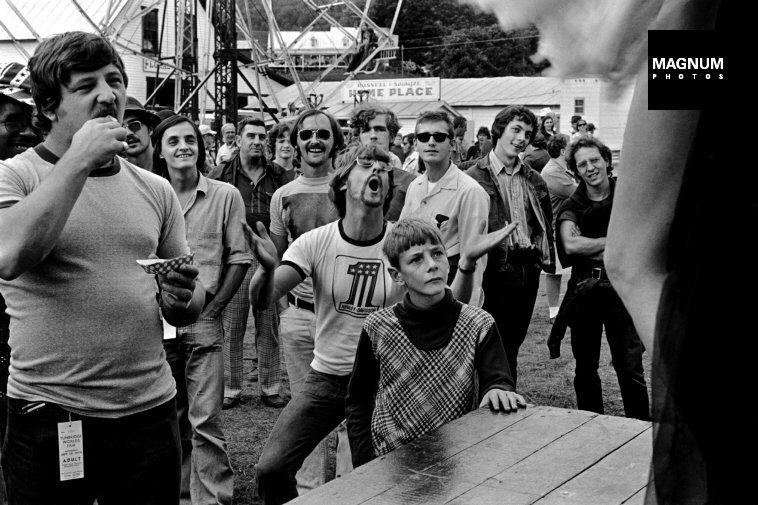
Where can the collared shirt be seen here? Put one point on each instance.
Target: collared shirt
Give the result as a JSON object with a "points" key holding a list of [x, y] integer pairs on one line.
{"points": [[255, 195], [458, 206], [505, 181], [214, 231]]}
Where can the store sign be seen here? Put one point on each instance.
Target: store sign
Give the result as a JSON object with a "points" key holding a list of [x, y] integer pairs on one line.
{"points": [[393, 90], [151, 66]]}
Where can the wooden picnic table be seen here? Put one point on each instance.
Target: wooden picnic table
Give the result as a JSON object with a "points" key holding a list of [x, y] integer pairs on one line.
{"points": [[542, 455]]}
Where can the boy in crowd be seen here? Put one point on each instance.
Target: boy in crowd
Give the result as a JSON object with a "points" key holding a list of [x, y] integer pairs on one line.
{"points": [[416, 361]]}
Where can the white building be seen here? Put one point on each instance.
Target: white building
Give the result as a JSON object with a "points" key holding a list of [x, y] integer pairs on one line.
{"points": [[480, 99]]}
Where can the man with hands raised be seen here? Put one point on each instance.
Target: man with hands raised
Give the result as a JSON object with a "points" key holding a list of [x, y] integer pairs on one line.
{"points": [[91, 412]]}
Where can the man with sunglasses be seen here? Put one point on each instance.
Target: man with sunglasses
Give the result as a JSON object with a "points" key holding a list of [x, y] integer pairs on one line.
{"points": [[257, 179], [139, 124], [297, 208], [446, 196]]}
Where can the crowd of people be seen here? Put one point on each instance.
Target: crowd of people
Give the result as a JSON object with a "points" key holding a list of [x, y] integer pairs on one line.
{"points": [[397, 276]]}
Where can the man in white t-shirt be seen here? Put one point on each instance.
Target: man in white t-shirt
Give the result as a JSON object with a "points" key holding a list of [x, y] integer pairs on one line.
{"points": [[296, 208], [350, 281], [89, 383]]}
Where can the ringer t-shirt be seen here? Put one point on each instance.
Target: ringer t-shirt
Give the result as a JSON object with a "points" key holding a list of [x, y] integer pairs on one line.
{"points": [[85, 331]]}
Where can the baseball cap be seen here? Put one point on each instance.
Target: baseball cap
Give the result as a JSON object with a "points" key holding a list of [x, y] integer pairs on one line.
{"points": [[205, 130], [15, 83]]}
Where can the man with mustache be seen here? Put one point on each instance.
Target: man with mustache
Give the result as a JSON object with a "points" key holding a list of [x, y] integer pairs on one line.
{"points": [[296, 208], [445, 196], [91, 412], [256, 179], [518, 194], [139, 124], [350, 281]]}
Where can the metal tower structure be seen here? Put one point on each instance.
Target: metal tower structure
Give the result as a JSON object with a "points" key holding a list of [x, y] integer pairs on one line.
{"points": [[225, 21], [186, 56]]}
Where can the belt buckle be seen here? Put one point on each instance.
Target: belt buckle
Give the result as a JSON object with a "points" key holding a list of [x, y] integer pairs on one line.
{"points": [[596, 273]]}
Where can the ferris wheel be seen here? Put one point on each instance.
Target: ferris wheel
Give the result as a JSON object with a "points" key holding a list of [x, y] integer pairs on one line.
{"points": [[205, 69]]}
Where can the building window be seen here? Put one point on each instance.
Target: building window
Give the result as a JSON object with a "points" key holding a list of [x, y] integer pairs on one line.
{"points": [[578, 105], [314, 42], [150, 32]]}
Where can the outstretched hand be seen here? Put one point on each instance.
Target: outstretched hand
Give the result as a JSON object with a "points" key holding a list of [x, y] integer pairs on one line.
{"points": [[485, 242], [262, 246]]}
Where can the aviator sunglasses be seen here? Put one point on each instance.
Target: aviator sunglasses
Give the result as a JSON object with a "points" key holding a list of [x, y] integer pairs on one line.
{"points": [[306, 135], [133, 126], [438, 136]]}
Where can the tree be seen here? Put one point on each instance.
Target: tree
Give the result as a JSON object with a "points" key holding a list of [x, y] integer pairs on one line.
{"points": [[437, 34], [488, 52]]}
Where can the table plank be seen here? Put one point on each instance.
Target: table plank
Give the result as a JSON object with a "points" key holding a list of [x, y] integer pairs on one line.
{"points": [[570, 455], [614, 479], [531, 456]]}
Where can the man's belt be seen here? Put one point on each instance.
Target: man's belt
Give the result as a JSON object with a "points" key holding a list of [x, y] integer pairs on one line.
{"points": [[598, 273], [300, 303]]}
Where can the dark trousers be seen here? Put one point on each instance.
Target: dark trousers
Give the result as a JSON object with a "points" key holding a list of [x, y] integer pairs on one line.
{"points": [[626, 352], [510, 301], [305, 421], [133, 460]]}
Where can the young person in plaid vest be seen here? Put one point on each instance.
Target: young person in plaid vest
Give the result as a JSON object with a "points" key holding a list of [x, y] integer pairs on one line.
{"points": [[427, 360]]}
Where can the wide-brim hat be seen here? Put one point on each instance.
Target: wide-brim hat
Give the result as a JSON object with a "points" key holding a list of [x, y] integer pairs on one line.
{"points": [[15, 83], [135, 108]]}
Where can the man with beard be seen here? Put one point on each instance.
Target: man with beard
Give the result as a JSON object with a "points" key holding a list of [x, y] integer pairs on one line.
{"points": [[350, 281], [517, 195], [91, 412], [256, 179], [297, 208], [16, 136], [140, 124], [378, 125]]}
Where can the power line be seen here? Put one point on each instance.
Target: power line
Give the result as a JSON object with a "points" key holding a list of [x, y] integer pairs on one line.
{"points": [[501, 39]]}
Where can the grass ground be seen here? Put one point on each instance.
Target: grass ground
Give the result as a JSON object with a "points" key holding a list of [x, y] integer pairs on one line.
{"points": [[541, 380]]}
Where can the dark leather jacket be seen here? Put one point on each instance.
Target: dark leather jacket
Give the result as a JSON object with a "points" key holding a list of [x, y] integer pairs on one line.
{"points": [[497, 260]]}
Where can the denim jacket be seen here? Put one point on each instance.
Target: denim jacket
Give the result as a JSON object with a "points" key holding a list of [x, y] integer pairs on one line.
{"points": [[497, 260]]}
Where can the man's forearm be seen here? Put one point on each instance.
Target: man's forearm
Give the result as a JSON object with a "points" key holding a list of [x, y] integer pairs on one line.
{"points": [[262, 289]]}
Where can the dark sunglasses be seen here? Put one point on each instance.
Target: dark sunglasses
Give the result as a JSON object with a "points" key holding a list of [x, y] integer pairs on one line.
{"points": [[133, 126], [16, 122], [306, 135], [438, 136], [581, 124]]}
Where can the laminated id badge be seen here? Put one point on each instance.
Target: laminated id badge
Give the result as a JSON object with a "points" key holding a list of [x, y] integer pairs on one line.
{"points": [[71, 450]]}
